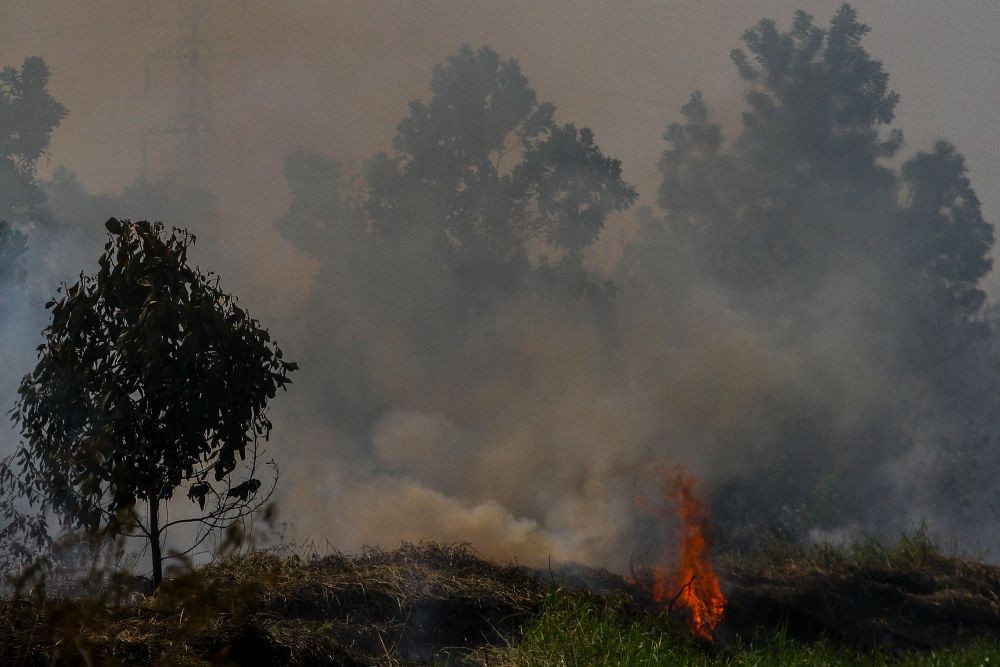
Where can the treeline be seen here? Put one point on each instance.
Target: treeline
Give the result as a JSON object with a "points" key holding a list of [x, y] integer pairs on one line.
{"points": [[801, 316]]}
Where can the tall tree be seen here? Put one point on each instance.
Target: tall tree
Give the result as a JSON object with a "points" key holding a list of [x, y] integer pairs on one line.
{"points": [[13, 246], [805, 223], [483, 195], [806, 187], [484, 178], [28, 116], [150, 378]]}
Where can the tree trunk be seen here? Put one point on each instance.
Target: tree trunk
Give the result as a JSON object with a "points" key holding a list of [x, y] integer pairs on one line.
{"points": [[154, 539]]}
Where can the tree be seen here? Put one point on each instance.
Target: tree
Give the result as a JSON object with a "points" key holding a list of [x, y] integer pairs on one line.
{"points": [[483, 178], [805, 188], [843, 255], [13, 245], [75, 208], [484, 197], [150, 378], [28, 116], [325, 221]]}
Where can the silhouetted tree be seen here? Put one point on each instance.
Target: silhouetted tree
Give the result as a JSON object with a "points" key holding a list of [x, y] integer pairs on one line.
{"points": [[483, 178], [805, 189], [324, 220], [13, 245], [804, 222], [484, 196], [28, 115], [150, 378], [76, 208]]}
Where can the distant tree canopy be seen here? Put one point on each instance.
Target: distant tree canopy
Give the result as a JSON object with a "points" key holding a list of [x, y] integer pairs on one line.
{"points": [[13, 245], [28, 116], [76, 208], [167, 198], [805, 186], [481, 179], [483, 170], [483, 188], [150, 377], [840, 256]]}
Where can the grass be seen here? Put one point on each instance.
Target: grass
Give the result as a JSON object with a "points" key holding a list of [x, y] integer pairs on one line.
{"points": [[261, 608], [903, 603], [579, 630]]}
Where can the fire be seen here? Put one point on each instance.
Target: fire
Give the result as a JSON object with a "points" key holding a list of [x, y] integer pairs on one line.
{"points": [[690, 589]]}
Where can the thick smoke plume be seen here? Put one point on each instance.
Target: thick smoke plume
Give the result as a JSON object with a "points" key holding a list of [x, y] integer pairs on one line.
{"points": [[498, 347]]}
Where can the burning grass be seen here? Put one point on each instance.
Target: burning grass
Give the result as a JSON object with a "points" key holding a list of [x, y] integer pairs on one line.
{"points": [[419, 604], [688, 588]]}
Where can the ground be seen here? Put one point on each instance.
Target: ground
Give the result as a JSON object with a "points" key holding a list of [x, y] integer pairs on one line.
{"points": [[433, 604]]}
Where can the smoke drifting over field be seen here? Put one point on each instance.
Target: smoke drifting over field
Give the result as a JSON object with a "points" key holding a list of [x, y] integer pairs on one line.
{"points": [[814, 382]]}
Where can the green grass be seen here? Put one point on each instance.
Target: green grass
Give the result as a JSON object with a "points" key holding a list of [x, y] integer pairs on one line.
{"points": [[270, 607], [575, 630]]}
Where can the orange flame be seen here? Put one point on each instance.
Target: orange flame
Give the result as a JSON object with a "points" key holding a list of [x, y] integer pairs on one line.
{"points": [[690, 588]]}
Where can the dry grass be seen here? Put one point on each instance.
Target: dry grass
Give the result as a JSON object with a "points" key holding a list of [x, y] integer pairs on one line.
{"points": [[900, 596], [432, 603], [405, 605]]}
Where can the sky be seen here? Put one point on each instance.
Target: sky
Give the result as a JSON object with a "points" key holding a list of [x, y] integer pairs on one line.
{"points": [[337, 76]]}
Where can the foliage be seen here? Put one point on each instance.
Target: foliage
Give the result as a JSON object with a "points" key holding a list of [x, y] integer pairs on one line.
{"points": [[481, 184], [571, 629], [484, 197], [13, 245], [28, 115], [434, 604], [839, 254], [150, 377], [804, 187], [484, 168], [76, 209], [167, 198]]}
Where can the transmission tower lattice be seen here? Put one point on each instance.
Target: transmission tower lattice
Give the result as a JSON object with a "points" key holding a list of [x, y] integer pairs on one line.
{"points": [[192, 54]]}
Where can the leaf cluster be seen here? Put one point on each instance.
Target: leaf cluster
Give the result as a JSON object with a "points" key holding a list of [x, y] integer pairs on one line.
{"points": [[486, 169], [28, 116], [805, 189], [150, 376]]}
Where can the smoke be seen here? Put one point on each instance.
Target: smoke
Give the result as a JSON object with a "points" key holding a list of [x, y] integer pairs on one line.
{"points": [[529, 430], [809, 378]]}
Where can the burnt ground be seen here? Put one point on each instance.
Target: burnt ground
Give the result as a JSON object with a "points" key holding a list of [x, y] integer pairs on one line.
{"points": [[407, 605]]}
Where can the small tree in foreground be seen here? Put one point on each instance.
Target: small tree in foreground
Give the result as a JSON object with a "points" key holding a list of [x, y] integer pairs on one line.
{"points": [[150, 378]]}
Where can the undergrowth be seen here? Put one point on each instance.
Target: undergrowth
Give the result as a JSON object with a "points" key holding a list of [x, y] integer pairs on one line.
{"points": [[871, 603], [574, 630]]}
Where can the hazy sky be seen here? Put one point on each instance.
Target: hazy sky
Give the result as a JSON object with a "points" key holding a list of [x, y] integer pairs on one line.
{"points": [[336, 76]]}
